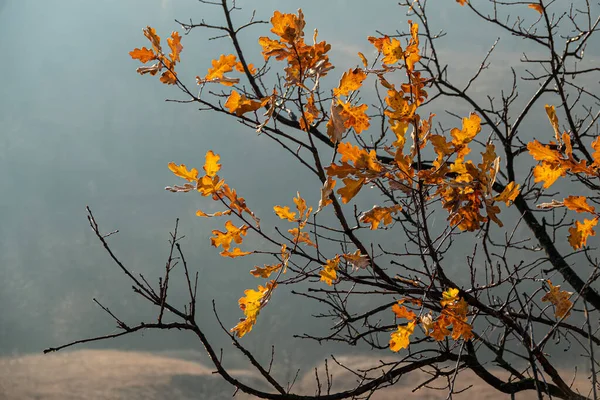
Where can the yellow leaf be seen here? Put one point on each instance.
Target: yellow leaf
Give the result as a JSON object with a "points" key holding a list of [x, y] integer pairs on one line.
{"points": [[329, 272], [143, 54], [579, 233], [560, 300], [285, 213], [236, 252], [509, 194], [449, 297], [351, 80], [548, 173], [378, 214], [232, 233], [266, 271], [579, 204], [355, 117], [241, 104], [596, 153], [211, 165], [471, 127], [401, 338], [541, 152], [251, 304], [536, 7], [182, 172], [208, 185]]}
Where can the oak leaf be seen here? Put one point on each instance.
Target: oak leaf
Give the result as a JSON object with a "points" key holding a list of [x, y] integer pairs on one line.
{"points": [[211, 165], [401, 338], [236, 252], [266, 271], [579, 233], [182, 172], [377, 214], [241, 104], [351, 81], [560, 300], [579, 204], [329, 272], [232, 233], [285, 213], [403, 312], [143, 54], [251, 304], [174, 43], [537, 7]]}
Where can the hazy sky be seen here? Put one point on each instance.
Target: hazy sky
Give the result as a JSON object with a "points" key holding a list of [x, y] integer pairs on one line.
{"points": [[79, 127]]}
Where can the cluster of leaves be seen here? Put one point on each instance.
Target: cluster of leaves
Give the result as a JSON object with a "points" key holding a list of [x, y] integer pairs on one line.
{"points": [[556, 159], [169, 76], [453, 314], [464, 188]]}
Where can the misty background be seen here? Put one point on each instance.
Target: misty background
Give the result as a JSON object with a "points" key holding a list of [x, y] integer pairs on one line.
{"points": [[78, 126]]}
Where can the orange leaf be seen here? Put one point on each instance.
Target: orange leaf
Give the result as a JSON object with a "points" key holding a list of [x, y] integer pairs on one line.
{"points": [[201, 213], [288, 27], [175, 45], [351, 80], [471, 127], [351, 188], [211, 165], [579, 204], [285, 213], [461, 2], [363, 59], [240, 104], [182, 172], [355, 116], [401, 338], [221, 66], [143, 54], [251, 304], [403, 312], [560, 300], [168, 78], [301, 237], [150, 33], [232, 233], [208, 185], [240, 68], [266, 271], [237, 252], [548, 173], [551, 111], [377, 214], [536, 7], [541, 152], [329, 272], [579, 233], [509, 194]]}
